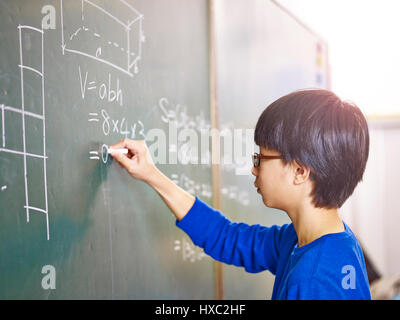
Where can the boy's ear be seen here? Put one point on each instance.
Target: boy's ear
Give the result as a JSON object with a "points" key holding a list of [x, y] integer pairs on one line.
{"points": [[301, 173]]}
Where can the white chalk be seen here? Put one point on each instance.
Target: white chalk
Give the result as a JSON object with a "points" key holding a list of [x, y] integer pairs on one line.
{"points": [[123, 150]]}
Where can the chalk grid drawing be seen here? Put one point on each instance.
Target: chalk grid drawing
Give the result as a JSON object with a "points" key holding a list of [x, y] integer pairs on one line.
{"points": [[27, 114], [116, 41]]}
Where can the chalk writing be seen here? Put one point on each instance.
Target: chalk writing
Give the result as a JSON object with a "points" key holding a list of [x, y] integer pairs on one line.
{"points": [[189, 251], [179, 114], [233, 193], [39, 70], [125, 56], [191, 186], [121, 126], [105, 90]]}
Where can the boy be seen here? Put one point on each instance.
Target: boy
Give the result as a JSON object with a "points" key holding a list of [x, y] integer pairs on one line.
{"points": [[313, 151]]}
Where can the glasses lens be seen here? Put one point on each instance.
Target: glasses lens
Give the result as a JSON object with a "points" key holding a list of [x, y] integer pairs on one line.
{"points": [[256, 160]]}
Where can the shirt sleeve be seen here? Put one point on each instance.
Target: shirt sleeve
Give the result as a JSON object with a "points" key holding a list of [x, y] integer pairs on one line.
{"points": [[316, 289], [253, 247], [325, 289]]}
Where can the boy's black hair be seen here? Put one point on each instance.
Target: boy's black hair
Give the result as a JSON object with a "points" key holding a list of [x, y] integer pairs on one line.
{"points": [[320, 131]]}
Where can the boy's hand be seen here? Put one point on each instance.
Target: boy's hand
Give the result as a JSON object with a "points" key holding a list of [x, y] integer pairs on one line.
{"points": [[138, 161], [139, 164]]}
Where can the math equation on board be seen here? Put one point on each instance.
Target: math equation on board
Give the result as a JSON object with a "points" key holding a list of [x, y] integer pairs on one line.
{"points": [[188, 250]]}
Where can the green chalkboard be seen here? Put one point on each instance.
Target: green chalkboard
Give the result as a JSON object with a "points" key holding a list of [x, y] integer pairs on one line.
{"points": [[79, 75], [107, 70]]}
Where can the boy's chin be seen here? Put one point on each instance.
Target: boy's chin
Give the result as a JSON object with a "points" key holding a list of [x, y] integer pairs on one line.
{"points": [[270, 204], [267, 202]]}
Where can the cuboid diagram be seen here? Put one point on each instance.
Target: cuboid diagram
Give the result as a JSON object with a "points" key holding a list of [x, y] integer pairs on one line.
{"points": [[24, 127], [106, 31]]}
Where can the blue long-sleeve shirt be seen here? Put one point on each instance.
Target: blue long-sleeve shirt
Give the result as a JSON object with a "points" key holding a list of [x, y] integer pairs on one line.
{"points": [[330, 267]]}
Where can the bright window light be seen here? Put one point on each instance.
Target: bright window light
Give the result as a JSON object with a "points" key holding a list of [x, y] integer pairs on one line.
{"points": [[364, 49]]}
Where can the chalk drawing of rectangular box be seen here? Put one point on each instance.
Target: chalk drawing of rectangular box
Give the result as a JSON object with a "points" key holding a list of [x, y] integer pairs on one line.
{"points": [[103, 31]]}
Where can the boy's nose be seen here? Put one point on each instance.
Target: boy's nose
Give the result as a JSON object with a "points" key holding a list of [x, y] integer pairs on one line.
{"points": [[254, 171]]}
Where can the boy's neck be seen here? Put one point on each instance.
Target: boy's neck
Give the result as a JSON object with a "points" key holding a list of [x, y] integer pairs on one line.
{"points": [[312, 223]]}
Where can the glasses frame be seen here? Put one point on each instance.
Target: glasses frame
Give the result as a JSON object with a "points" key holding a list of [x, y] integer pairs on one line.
{"points": [[257, 157]]}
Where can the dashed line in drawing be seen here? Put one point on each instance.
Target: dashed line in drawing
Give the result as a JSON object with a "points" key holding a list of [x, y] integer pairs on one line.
{"points": [[74, 34]]}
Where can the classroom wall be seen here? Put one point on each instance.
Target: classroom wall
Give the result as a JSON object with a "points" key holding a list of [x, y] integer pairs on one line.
{"points": [[373, 210]]}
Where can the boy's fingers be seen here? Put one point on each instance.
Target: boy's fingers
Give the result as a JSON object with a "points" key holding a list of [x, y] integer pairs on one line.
{"points": [[118, 145], [125, 143], [122, 159]]}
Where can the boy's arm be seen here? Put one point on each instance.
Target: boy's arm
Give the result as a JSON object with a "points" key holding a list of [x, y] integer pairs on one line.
{"points": [[253, 247], [178, 200], [139, 164]]}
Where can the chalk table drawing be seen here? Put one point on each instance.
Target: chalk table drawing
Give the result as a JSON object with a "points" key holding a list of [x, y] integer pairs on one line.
{"points": [[39, 71]]}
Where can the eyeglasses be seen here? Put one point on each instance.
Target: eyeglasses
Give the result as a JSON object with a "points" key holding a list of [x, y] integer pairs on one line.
{"points": [[257, 157]]}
